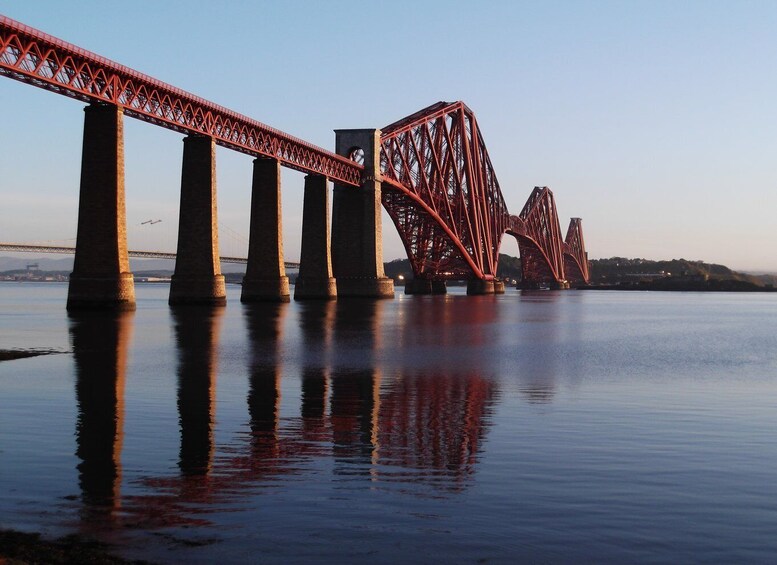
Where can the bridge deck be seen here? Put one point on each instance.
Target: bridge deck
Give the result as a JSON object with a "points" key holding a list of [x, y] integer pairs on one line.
{"points": [[36, 58]]}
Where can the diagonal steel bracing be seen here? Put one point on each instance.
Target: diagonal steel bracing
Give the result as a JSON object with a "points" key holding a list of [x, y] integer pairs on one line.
{"points": [[31, 56], [439, 185], [441, 191]]}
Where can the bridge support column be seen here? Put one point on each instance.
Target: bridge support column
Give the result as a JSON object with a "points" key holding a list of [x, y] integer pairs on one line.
{"points": [[357, 233], [197, 278], [315, 279], [101, 277], [425, 286], [480, 286], [265, 279]]}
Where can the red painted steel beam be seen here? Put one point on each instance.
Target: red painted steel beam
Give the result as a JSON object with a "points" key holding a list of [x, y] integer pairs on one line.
{"points": [[427, 213], [437, 158], [538, 232], [36, 58], [574, 249], [440, 189]]}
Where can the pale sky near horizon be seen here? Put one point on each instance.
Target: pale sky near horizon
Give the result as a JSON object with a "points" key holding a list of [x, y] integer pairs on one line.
{"points": [[656, 122]]}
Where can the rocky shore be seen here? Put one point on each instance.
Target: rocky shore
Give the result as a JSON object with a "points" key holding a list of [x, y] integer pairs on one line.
{"points": [[20, 548]]}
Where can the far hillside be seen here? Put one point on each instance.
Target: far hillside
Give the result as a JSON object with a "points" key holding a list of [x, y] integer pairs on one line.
{"points": [[619, 270], [508, 269], [612, 271]]}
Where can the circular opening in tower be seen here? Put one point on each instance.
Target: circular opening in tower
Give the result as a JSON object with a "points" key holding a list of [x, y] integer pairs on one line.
{"points": [[356, 154]]}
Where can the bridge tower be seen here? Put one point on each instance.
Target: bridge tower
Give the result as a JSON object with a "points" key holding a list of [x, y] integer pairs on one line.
{"points": [[197, 278], [101, 277], [357, 232], [315, 280], [265, 279]]}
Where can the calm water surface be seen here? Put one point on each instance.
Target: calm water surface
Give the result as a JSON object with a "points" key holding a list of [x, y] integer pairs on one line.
{"points": [[545, 427]]}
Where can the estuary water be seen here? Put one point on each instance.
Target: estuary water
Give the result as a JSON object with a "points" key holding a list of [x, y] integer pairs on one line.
{"points": [[543, 427]]}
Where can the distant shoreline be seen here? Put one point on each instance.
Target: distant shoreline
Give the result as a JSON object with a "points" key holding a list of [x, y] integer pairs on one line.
{"points": [[733, 286], [658, 286]]}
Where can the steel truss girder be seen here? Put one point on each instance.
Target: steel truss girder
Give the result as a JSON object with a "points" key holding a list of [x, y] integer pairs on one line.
{"points": [[441, 188], [438, 160], [31, 56], [575, 255], [441, 191], [433, 250], [538, 232]]}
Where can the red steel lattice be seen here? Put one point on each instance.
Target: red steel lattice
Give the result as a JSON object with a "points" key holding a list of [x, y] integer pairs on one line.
{"points": [[538, 232], [36, 58], [441, 191], [575, 256], [440, 188]]}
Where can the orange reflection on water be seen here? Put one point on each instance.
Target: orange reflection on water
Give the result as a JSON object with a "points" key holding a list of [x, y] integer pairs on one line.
{"points": [[197, 331], [100, 347]]}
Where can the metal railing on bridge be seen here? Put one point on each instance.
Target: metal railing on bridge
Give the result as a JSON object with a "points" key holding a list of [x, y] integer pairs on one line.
{"points": [[31, 56]]}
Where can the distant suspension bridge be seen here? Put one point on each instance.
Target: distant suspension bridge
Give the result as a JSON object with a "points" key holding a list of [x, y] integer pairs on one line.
{"points": [[20, 248]]}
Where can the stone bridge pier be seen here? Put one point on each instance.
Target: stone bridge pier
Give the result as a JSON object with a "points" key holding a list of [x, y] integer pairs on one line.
{"points": [[315, 280], [197, 278], [357, 233], [265, 279], [349, 265], [101, 277]]}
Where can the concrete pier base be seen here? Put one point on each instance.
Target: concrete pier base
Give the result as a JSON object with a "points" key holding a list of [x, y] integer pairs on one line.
{"points": [[197, 278], [365, 288], [439, 287], [115, 292], [425, 286], [499, 287], [265, 279], [207, 290], [276, 289], [315, 280], [312, 288], [480, 286], [357, 233], [101, 277]]}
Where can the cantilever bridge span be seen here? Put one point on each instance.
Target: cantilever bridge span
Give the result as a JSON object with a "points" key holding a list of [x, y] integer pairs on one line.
{"points": [[444, 198], [431, 171]]}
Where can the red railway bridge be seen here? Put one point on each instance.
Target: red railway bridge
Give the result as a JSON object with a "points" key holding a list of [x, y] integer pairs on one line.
{"points": [[430, 171]]}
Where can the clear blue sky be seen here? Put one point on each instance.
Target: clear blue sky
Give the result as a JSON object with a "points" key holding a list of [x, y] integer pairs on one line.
{"points": [[656, 122]]}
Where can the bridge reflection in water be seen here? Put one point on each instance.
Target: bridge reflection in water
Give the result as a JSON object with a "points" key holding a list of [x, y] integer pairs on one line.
{"points": [[356, 410], [100, 346], [197, 333]]}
